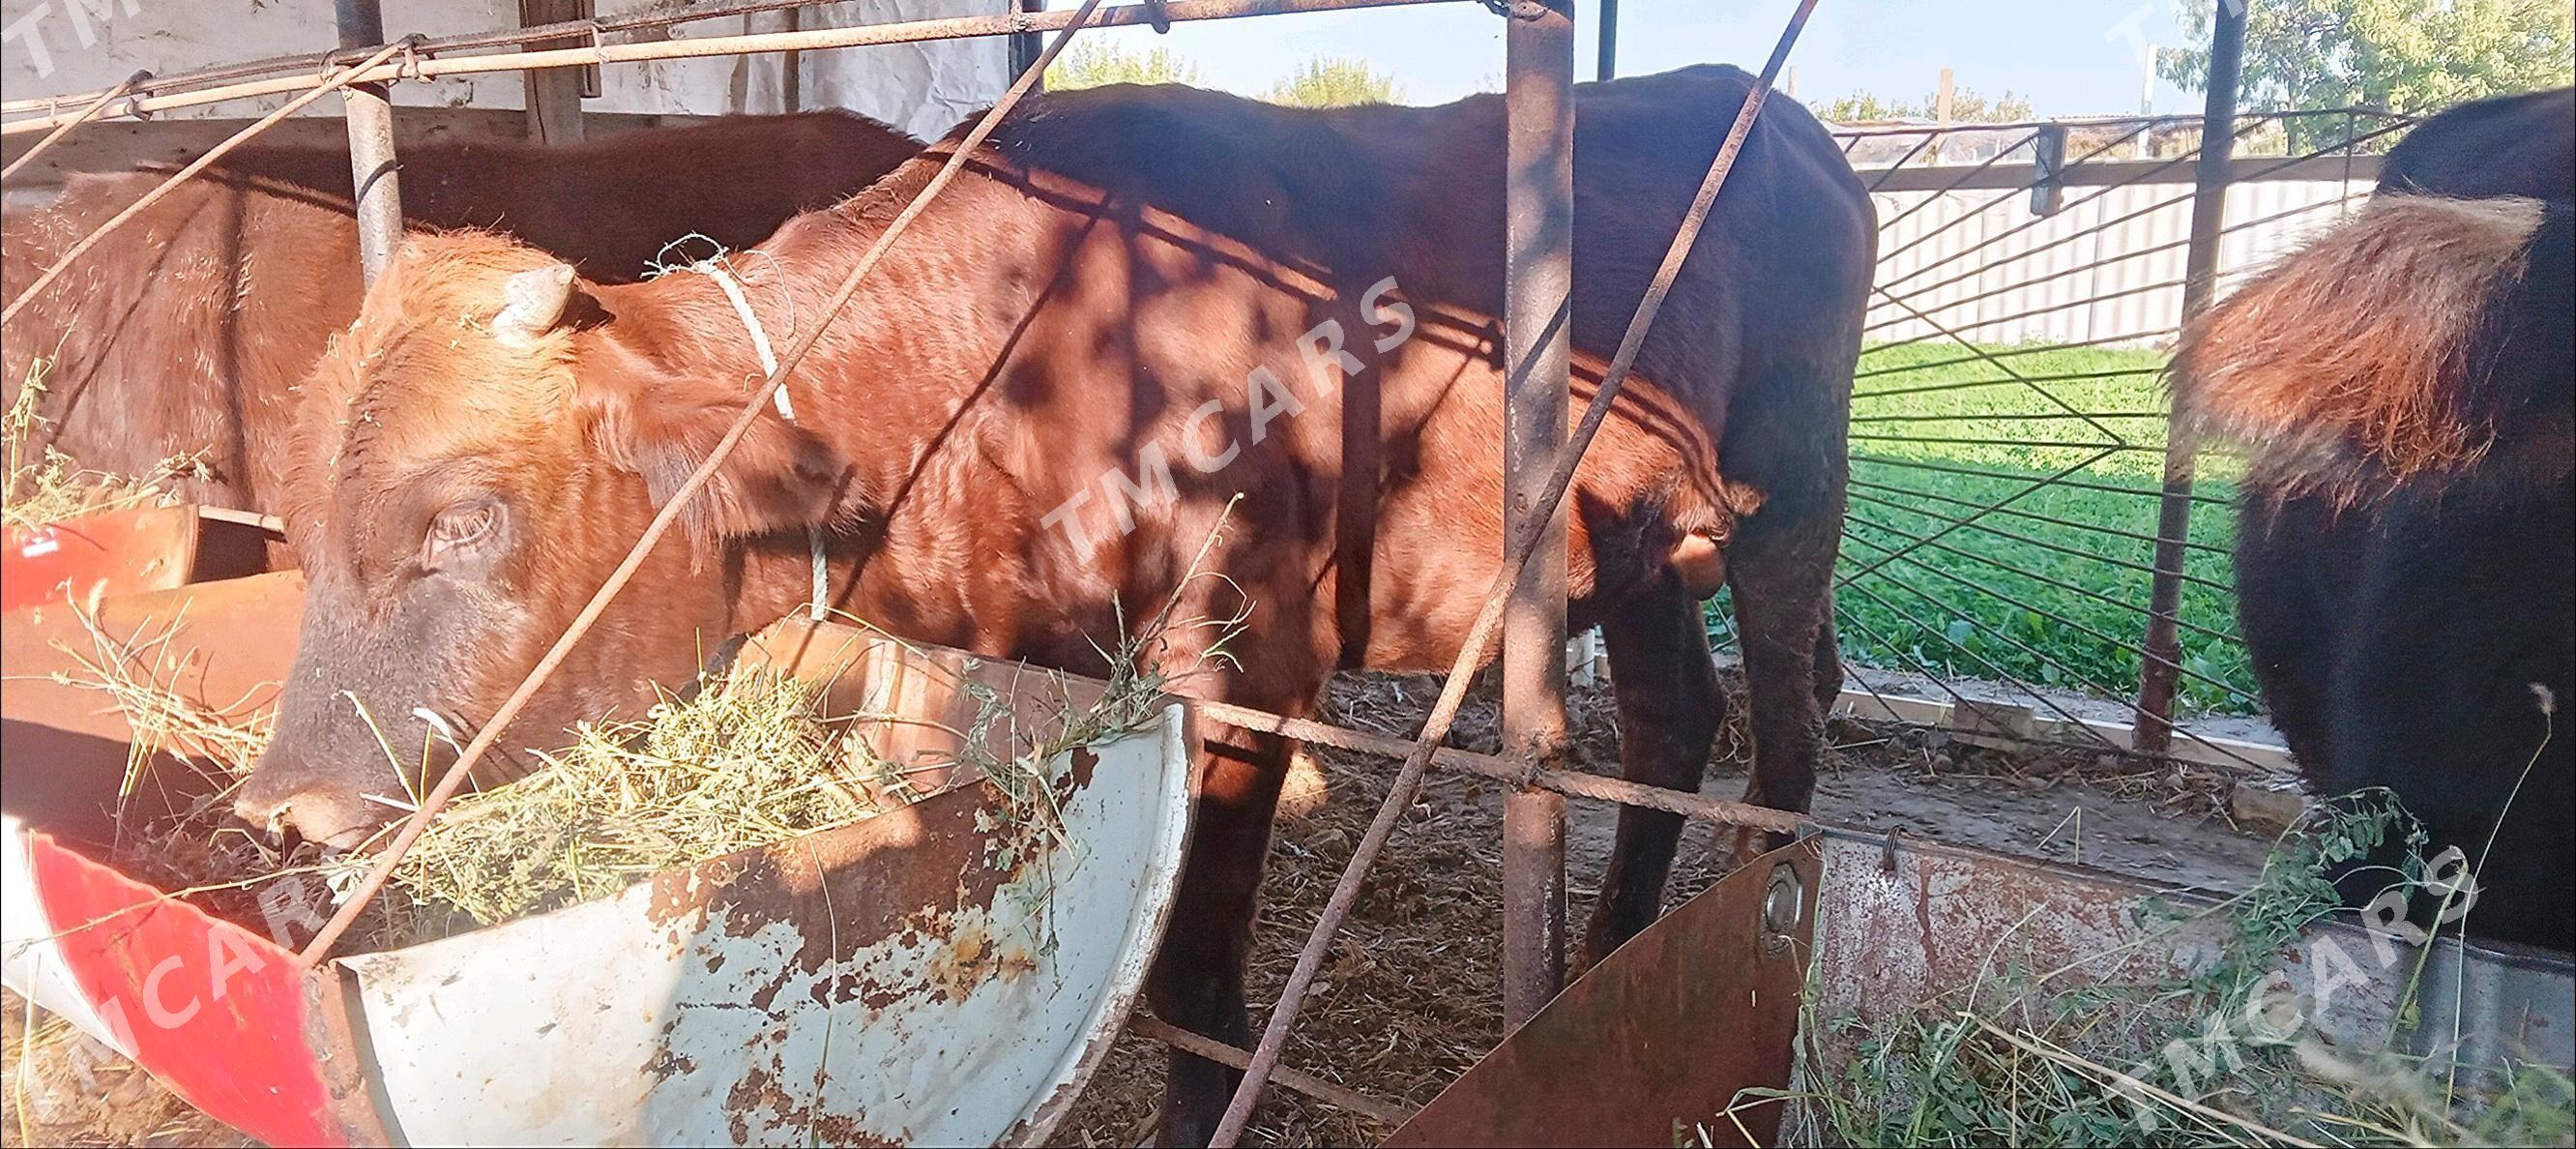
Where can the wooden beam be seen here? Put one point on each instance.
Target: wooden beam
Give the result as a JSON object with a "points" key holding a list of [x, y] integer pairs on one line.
{"points": [[554, 96]]}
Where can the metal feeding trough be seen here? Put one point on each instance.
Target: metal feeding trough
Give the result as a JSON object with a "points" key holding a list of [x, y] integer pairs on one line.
{"points": [[1671, 1030], [943, 973], [130, 552]]}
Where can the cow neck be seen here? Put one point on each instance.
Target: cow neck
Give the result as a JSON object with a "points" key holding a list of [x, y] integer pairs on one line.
{"points": [[879, 385]]}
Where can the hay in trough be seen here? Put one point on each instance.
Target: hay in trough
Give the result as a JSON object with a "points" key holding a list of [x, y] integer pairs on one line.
{"points": [[750, 759], [747, 762], [44, 485], [2215, 1054]]}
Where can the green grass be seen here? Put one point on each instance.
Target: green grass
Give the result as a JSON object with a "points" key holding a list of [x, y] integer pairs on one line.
{"points": [[2053, 588]]}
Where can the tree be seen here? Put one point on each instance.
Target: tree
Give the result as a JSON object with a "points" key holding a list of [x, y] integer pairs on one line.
{"points": [[2407, 56], [1092, 64], [1325, 82], [1966, 107]]}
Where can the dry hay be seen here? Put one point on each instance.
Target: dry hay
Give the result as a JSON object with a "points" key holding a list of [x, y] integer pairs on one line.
{"points": [[60, 1087], [44, 485], [749, 759]]}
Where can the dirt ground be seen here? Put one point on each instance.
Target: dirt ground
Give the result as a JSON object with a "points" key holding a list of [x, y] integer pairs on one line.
{"points": [[1410, 995]]}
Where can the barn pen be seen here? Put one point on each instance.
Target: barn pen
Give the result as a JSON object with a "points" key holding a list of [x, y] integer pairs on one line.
{"points": [[1837, 923]]}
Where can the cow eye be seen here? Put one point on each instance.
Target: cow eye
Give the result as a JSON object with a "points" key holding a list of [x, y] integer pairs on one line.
{"points": [[458, 529]]}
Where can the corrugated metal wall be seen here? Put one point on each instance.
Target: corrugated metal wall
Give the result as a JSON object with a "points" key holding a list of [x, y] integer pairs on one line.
{"points": [[2107, 267]]}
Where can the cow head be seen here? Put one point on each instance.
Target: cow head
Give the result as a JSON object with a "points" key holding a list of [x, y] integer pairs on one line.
{"points": [[474, 457]]}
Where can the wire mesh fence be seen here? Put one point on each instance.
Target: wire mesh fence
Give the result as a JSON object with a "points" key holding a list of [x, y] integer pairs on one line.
{"points": [[2009, 416]]}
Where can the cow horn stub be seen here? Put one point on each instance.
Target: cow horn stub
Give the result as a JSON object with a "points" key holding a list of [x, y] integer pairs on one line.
{"points": [[532, 303]]}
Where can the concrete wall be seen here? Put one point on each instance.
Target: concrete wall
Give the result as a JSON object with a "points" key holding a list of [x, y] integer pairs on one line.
{"points": [[62, 46]]}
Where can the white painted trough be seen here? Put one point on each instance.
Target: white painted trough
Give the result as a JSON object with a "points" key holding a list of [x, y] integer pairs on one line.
{"points": [[945, 973]]}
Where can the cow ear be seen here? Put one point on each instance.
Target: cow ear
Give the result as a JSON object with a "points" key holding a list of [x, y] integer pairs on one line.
{"points": [[780, 477]]}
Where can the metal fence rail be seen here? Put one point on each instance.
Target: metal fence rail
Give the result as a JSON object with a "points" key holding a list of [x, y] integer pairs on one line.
{"points": [[2015, 534]]}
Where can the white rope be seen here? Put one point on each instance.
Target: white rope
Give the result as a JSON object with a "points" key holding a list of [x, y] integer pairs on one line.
{"points": [[714, 268]]}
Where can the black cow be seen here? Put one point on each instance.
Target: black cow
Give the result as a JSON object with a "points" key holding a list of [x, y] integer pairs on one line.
{"points": [[2406, 555]]}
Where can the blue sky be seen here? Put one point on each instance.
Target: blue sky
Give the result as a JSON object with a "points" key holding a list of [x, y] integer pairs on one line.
{"points": [[2070, 57]]}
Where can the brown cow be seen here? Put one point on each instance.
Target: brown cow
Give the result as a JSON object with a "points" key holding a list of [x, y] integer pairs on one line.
{"points": [[1138, 305], [184, 332]]}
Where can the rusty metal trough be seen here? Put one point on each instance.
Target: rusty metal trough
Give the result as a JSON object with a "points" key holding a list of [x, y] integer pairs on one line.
{"points": [[942, 973], [1712, 1001]]}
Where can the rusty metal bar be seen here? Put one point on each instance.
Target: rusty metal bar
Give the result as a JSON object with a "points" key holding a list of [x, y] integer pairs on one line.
{"points": [[1149, 1026], [1026, 45], [696, 47], [1538, 303], [1606, 57], [1481, 633], [1572, 783], [372, 171], [2156, 675], [325, 87], [86, 115], [650, 18], [760, 397]]}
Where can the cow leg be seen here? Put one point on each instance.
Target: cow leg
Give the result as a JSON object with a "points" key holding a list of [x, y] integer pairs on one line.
{"points": [[1781, 571], [1670, 707], [1197, 980]]}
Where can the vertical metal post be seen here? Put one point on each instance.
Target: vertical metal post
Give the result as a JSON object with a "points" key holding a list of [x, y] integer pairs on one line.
{"points": [[1025, 46], [2160, 670], [371, 143], [1607, 67], [1538, 94], [791, 68]]}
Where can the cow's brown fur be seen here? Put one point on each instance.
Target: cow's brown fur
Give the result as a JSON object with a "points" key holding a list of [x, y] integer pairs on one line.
{"points": [[2349, 359], [1093, 295], [187, 330]]}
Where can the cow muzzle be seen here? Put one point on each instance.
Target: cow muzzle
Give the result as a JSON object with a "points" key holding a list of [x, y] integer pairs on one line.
{"points": [[331, 814]]}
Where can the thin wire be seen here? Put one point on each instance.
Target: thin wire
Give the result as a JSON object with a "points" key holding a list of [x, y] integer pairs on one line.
{"points": [[2035, 576], [2010, 377], [2114, 643], [2071, 552], [2073, 524], [2079, 484]]}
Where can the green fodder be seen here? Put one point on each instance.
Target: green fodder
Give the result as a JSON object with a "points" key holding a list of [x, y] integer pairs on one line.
{"points": [[2207, 1052], [43, 485]]}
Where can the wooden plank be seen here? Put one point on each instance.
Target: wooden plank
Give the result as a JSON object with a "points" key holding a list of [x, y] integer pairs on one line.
{"points": [[554, 95]]}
